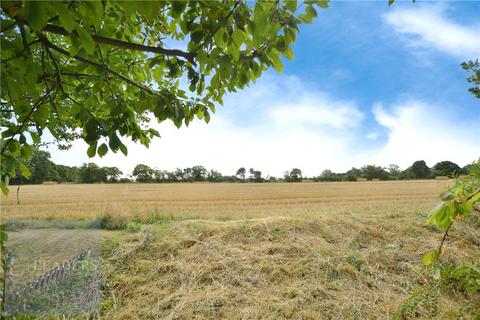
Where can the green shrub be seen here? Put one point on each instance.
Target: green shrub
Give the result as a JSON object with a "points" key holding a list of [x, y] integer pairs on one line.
{"points": [[422, 302], [464, 279], [133, 226], [158, 217]]}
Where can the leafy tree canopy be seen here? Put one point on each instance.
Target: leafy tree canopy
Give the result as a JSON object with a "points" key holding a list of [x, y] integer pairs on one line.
{"points": [[295, 175], [143, 173], [41, 167], [446, 168], [100, 70], [91, 173], [374, 172], [419, 170], [241, 173]]}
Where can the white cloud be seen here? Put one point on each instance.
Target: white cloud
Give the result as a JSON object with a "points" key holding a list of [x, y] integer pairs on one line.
{"points": [[317, 110], [415, 131], [274, 125], [280, 123], [427, 27]]}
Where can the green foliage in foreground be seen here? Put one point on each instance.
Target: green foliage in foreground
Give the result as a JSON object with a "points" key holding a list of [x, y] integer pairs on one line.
{"points": [[101, 70], [473, 67], [458, 202]]}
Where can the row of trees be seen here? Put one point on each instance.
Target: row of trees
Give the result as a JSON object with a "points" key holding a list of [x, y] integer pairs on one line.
{"points": [[43, 169], [418, 170]]}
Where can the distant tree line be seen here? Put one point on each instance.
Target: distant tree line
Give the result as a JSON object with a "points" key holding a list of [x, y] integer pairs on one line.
{"points": [[418, 170], [43, 169]]}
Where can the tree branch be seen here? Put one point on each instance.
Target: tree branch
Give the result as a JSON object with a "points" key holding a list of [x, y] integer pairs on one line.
{"points": [[34, 107], [127, 45], [9, 26], [101, 66], [443, 239], [21, 52]]}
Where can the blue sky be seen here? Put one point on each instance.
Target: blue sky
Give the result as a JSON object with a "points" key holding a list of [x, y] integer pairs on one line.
{"points": [[370, 84]]}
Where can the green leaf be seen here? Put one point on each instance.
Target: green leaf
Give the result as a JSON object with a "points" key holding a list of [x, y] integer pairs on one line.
{"points": [[234, 50], [207, 117], [130, 7], [123, 149], [3, 235], [92, 149], [4, 185], [35, 14], [90, 130], [114, 142], [196, 36], [323, 4], [25, 171], [76, 44], [430, 257], [215, 81], [35, 137], [390, 2], [41, 115], [238, 36], [149, 9], [8, 165], [102, 150], [291, 5], [66, 17], [475, 197], [442, 215], [311, 11], [288, 53], [305, 18], [218, 37], [277, 64], [87, 41], [447, 196], [178, 7], [26, 151]]}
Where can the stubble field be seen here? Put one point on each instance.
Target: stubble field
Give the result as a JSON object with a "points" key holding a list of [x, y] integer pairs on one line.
{"points": [[222, 201], [266, 251]]}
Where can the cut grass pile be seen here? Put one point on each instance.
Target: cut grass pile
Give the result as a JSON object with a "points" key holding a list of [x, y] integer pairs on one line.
{"points": [[342, 267]]}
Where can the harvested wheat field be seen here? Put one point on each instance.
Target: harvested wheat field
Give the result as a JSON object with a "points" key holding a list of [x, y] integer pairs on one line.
{"points": [[266, 251], [220, 201]]}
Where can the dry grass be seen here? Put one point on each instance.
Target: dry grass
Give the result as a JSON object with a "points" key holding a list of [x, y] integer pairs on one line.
{"points": [[221, 201], [266, 251], [342, 267]]}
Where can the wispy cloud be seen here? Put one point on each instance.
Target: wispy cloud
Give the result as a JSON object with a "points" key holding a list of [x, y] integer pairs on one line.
{"points": [[427, 27], [317, 110]]}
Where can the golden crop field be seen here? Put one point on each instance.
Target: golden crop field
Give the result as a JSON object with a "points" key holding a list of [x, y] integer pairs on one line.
{"points": [[223, 201]]}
